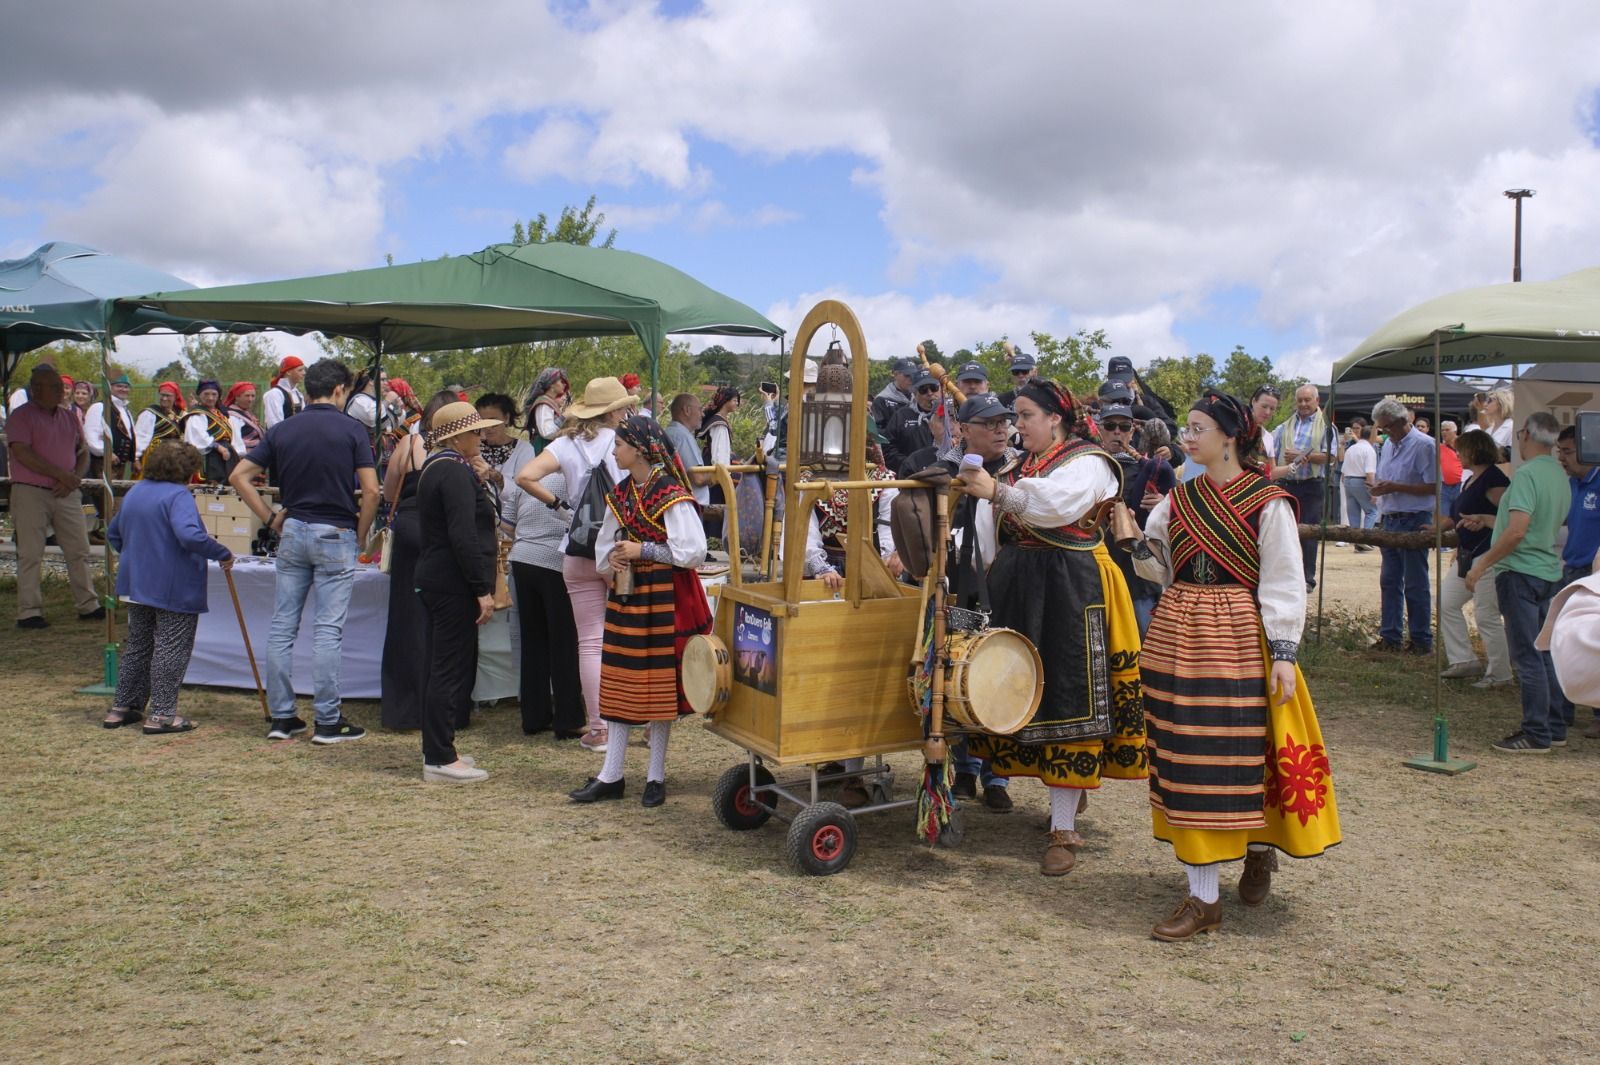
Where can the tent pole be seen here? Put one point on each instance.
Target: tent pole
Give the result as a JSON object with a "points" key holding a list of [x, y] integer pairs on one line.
{"points": [[1441, 762], [1327, 473], [108, 684]]}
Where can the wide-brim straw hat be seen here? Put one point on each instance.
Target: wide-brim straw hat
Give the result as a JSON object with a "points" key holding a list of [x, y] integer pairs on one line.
{"points": [[601, 396], [453, 419]]}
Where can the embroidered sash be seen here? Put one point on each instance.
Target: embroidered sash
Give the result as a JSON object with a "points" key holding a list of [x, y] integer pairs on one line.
{"points": [[166, 427], [1223, 522]]}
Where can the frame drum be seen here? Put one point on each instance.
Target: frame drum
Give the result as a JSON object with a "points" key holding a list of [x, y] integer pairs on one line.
{"points": [[994, 680], [707, 673]]}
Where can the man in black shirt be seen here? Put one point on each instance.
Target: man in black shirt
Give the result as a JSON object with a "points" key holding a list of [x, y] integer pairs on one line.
{"points": [[319, 457], [908, 428], [1024, 368], [895, 395]]}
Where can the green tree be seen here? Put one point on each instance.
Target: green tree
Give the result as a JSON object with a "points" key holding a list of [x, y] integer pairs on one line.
{"points": [[575, 226], [1073, 361], [1243, 373], [931, 350], [228, 357], [720, 364], [1180, 380], [75, 359]]}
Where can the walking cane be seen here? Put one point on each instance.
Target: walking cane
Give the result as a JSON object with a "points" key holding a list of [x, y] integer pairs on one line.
{"points": [[238, 612]]}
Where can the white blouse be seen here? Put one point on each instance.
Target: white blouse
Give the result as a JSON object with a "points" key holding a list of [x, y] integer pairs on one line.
{"points": [[276, 400], [1065, 496], [686, 538], [817, 558], [721, 445], [1282, 592], [194, 432], [546, 422]]}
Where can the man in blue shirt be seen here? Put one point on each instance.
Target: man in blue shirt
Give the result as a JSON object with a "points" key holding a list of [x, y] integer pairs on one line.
{"points": [[1583, 531], [318, 458], [1404, 489]]}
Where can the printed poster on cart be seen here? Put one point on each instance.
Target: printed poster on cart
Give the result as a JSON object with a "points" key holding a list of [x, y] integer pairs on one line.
{"points": [[755, 649]]}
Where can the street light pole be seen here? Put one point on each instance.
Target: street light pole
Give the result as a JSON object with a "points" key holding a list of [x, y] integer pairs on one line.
{"points": [[1517, 196]]}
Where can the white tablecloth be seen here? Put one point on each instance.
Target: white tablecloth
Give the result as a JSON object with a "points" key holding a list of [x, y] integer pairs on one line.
{"points": [[219, 657]]}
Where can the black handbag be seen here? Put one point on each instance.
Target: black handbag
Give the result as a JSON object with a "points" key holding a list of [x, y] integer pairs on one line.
{"points": [[589, 512]]}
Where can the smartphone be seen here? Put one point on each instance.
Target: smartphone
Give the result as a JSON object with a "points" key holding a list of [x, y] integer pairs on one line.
{"points": [[769, 388]]}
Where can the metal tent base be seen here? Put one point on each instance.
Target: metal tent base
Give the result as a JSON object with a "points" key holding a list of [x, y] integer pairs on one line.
{"points": [[1441, 762]]}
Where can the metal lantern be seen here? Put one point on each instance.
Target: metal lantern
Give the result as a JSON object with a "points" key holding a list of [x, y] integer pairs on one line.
{"points": [[825, 419]]}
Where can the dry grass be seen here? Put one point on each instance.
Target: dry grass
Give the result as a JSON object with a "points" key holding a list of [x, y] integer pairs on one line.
{"points": [[216, 897]]}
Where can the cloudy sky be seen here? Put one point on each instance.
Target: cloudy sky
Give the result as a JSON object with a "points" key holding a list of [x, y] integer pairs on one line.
{"points": [[1188, 176]]}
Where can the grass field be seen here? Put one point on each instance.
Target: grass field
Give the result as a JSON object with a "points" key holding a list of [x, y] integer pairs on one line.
{"points": [[216, 897]]}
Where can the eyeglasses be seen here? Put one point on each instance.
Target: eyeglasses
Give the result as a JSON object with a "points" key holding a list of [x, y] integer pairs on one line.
{"points": [[993, 425], [1189, 432]]}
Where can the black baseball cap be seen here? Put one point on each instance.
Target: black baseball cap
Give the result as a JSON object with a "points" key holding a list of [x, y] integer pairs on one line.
{"points": [[985, 406], [1115, 410], [907, 366], [1116, 392], [1021, 362], [1119, 368], [972, 371], [921, 377]]}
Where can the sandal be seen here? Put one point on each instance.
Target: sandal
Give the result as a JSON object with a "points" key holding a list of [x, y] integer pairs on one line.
{"points": [[124, 717], [161, 726]]}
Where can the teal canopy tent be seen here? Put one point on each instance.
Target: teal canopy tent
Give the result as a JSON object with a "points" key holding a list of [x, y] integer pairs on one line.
{"points": [[506, 293]]}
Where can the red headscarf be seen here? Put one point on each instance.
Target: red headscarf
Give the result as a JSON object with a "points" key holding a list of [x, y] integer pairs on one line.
{"points": [[290, 362], [233, 393], [630, 380], [66, 382], [402, 388], [177, 394]]}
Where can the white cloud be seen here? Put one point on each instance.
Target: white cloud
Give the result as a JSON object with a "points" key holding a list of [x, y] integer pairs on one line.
{"points": [[895, 323]]}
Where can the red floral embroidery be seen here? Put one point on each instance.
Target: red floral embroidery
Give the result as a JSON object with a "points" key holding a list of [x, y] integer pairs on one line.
{"points": [[1297, 779]]}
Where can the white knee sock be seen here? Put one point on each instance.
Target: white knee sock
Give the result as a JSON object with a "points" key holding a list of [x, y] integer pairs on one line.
{"points": [[616, 748], [658, 732], [1203, 882], [1064, 808]]}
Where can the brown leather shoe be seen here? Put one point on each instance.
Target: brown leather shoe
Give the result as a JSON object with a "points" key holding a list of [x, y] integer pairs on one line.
{"points": [[997, 800], [1061, 853], [853, 794], [1255, 883], [1190, 919]]}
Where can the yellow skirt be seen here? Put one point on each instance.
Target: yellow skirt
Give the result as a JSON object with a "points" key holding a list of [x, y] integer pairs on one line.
{"points": [[1301, 812], [1121, 756]]}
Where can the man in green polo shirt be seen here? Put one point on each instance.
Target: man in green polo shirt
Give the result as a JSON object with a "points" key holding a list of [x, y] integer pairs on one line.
{"points": [[1527, 573]]}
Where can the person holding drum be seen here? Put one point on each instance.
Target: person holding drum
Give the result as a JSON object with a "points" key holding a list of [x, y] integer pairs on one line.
{"points": [[1053, 581], [1221, 687], [650, 542]]}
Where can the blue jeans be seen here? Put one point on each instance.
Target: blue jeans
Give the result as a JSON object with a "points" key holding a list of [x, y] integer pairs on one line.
{"points": [[1403, 582], [1448, 496], [1144, 607], [1524, 602], [319, 559], [978, 767], [1360, 511]]}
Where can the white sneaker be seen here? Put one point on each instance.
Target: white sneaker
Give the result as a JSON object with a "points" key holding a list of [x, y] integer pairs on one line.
{"points": [[1492, 682], [446, 774], [1462, 670]]}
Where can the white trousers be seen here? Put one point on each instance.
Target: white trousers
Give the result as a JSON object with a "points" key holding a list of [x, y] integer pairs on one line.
{"points": [[1486, 610]]}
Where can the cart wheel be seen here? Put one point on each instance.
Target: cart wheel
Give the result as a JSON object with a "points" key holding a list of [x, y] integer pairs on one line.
{"points": [[733, 803], [822, 839]]}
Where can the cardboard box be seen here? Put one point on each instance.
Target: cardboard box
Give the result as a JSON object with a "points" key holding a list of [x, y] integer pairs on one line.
{"points": [[226, 526], [239, 545]]}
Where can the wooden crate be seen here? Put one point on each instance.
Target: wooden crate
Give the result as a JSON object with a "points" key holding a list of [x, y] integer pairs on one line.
{"points": [[834, 683]]}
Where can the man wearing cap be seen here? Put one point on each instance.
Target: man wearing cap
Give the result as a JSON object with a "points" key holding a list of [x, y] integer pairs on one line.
{"points": [[1024, 368], [972, 379], [319, 458], [95, 425], [895, 394], [909, 431], [284, 398]]}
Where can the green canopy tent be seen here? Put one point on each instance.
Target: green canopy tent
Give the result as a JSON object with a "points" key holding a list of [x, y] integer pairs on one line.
{"points": [[1506, 325], [504, 294]]}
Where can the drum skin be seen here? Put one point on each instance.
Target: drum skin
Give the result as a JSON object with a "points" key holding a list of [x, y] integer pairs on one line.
{"points": [[707, 673], [994, 682]]}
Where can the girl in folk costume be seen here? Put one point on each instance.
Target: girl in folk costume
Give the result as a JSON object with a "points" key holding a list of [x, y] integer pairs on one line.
{"points": [[410, 420], [208, 430], [284, 398], [652, 534], [240, 407], [1237, 764], [1053, 580], [162, 420], [716, 439], [547, 399]]}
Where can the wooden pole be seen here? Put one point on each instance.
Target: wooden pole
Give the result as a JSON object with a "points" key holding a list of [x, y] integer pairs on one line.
{"points": [[935, 749], [244, 633]]}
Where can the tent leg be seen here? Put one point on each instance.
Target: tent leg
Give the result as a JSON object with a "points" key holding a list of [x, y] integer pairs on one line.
{"points": [[1441, 762], [108, 685]]}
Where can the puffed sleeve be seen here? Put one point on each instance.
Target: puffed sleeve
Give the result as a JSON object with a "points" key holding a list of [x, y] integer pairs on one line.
{"points": [[144, 430], [816, 557], [1155, 564], [545, 421], [1065, 496], [605, 543], [1282, 592], [194, 432], [983, 521], [721, 446], [885, 534], [272, 407], [94, 429], [686, 535]]}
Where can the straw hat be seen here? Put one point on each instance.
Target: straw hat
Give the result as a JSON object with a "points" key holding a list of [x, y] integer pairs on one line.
{"points": [[601, 396], [453, 419]]}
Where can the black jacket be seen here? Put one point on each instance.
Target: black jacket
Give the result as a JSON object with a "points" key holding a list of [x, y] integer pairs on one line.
{"points": [[908, 433], [457, 523]]}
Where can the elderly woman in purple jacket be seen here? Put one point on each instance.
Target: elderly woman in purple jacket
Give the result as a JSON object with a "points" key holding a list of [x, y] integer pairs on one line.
{"points": [[162, 577]]}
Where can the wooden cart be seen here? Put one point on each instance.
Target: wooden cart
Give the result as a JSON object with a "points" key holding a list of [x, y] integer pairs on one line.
{"points": [[814, 677]]}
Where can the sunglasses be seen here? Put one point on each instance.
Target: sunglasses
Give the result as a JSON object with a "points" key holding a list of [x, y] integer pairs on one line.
{"points": [[926, 389], [1117, 427]]}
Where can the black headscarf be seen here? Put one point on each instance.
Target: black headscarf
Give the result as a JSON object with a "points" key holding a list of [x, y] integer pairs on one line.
{"points": [[1233, 417], [1052, 398]]}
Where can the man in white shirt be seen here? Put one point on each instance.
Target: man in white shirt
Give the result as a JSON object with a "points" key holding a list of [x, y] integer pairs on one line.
{"points": [[284, 398], [1360, 467], [97, 428]]}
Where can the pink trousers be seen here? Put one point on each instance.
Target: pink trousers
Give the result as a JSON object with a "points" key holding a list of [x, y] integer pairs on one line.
{"points": [[588, 591]]}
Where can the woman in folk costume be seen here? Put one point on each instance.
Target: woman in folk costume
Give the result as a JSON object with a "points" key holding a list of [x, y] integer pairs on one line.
{"points": [[240, 407], [410, 420], [651, 531], [1053, 580], [1237, 764], [208, 430], [547, 400], [162, 420]]}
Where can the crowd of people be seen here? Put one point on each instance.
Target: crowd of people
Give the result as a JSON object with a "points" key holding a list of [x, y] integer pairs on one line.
{"points": [[1170, 655]]}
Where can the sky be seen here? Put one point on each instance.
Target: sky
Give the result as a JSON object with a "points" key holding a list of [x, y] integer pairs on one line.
{"points": [[1187, 177]]}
